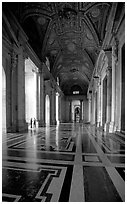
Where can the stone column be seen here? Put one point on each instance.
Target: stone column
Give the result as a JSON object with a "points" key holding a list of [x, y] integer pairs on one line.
{"points": [[37, 98], [52, 108], [89, 107], [59, 108], [114, 59], [70, 112], [14, 64], [81, 110], [42, 99], [104, 115], [99, 104], [109, 97], [22, 126], [93, 108]]}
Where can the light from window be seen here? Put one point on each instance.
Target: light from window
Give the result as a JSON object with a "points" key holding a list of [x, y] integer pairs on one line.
{"points": [[75, 92]]}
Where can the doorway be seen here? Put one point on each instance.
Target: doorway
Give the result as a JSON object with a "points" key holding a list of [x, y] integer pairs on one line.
{"points": [[30, 90], [77, 114], [76, 110]]}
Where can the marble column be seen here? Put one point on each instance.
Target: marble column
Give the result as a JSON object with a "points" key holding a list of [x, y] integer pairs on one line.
{"points": [[93, 109], [8, 92], [70, 111], [114, 59], [54, 95], [14, 116], [22, 126], [104, 102], [42, 99], [59, 108], [89, 107], [109, 96], [37, 97], [81, 110], [99, 104], [52, 108]]}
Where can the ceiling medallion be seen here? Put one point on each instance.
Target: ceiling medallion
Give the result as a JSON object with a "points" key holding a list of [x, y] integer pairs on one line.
{"points": [[41, 20], [67, 13], [74, 70], [75, 78], [71, 47], [95, 12], [53, 52]]}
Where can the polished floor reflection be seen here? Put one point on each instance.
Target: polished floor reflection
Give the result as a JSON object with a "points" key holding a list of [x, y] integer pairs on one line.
{"points": [[64, 163]]}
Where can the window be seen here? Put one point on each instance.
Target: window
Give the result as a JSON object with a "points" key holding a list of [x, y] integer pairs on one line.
{"points": [[75, 92]]}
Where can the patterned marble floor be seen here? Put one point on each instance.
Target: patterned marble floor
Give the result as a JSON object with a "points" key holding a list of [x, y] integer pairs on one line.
{"points": [[65, 163]]}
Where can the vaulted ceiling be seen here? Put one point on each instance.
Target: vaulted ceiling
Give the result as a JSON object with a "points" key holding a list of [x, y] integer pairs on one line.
{"points": [[70, 34]]}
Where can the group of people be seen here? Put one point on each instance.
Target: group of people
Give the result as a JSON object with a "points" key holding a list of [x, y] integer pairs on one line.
{"points": [[33, 123]]}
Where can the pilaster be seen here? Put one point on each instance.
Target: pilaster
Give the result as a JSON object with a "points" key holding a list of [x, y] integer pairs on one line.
{"points": [[22, 125], [109, 97], [81, 102], [42, 99], [14, 62], [114, 62], [70, 111], [52, 108]]}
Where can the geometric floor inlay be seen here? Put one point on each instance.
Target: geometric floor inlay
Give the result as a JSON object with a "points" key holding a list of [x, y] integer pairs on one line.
{"points": [[67, 163]]}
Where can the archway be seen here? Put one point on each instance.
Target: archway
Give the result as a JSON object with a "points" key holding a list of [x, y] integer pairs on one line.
{"points": [[47, 110], [30, 90], [3, 101], [77, 114], [75, 110]]}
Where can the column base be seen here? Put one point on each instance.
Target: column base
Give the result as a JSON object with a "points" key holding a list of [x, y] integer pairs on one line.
{"points": [[111, 127], [20, 127], [106, 126], [98, 124], [41, 123], [53, 122]]}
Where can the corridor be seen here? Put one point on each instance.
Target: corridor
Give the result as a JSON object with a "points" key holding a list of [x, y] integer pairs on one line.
{"points": [[72, 162]]}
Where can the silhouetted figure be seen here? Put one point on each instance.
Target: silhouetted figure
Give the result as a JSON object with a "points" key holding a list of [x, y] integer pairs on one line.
{"points": [[31, 122], [34, 122]]}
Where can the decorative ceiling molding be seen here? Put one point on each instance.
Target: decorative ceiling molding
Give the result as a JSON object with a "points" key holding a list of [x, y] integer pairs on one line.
{"points": [[31, 8]]}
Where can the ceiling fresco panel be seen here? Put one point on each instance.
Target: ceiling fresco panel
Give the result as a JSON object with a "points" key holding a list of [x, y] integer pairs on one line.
{"points": [[69, 34]]}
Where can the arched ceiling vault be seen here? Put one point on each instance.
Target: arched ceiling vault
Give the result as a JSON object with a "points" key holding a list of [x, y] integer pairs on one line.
{"points": [[70, 34]]}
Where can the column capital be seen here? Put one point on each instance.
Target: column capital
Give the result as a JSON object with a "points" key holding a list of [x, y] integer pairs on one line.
{"points": [[115, 48], [14, 60], [108, 70]]}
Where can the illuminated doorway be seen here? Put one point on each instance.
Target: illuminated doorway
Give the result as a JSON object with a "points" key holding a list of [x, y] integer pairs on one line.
{"points": [[47, 110], [3, 101], [30, 90], [77, 114], [75, 110]]}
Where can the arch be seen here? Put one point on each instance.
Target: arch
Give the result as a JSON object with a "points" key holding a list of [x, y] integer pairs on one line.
{"points": [[75, 114], [30, 90], [47, 110], [3, 100]]}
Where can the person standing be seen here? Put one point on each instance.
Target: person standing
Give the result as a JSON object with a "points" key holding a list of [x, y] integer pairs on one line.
{"points": [[31, 122], [34, 122]]}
